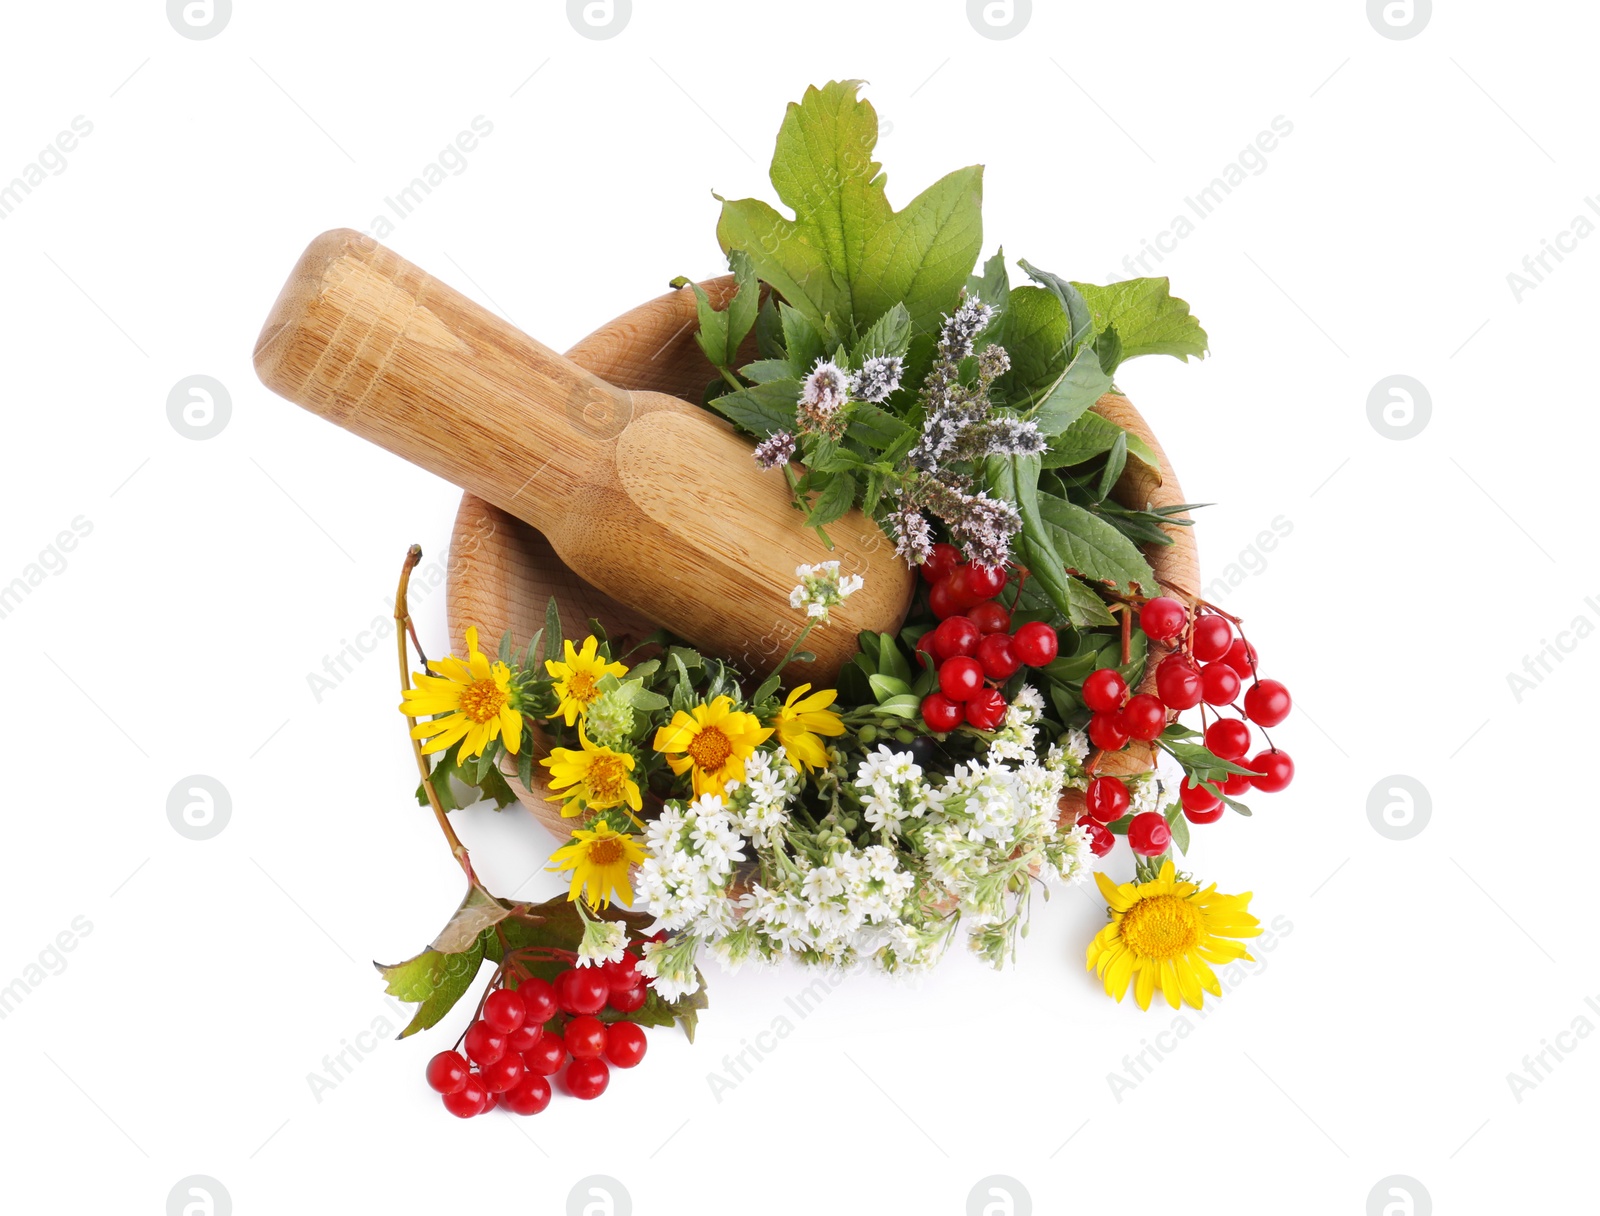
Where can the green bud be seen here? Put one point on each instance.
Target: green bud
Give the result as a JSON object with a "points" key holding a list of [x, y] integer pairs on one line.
{"points": [[905, 736], [867, 733]]}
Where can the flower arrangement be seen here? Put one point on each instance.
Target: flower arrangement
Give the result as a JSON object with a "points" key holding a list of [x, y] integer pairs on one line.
{"points": [[1024, 717]]}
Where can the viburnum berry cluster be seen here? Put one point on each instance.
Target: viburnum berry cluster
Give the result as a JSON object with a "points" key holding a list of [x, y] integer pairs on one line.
{"points": [[573, 1029], [973, 648], [1207, 666]]}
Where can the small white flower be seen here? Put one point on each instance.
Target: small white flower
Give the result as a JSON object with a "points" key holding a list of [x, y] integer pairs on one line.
{"points": [[822, 588], [826, 388], [604, 941]]}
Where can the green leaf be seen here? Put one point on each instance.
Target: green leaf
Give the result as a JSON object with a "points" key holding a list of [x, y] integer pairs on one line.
{"points": [[884, 687], [721, 334], [769, 330], [802, 340], [1179, 826], [993, 286], [890, 334], [1082, 384], [836, 499], [1072, 302], [1033, 329], [1116, 460], [891, 662], [1085, 609], [1148, 319], [1093, 548], [478, 911], [1088, 437], [763, 409], [434, 981], [847, 256], [552, 632], [764, 371]]}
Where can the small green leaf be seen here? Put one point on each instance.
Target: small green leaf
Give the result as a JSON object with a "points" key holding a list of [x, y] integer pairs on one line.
{"points": [[765, 371], [834, 501], [890, 334], [1093, 548], [993, 286], [1070, 397], [434, 981], [1116, 460], [1179, 826], [764, 409], [553, 649], [884, 687]]}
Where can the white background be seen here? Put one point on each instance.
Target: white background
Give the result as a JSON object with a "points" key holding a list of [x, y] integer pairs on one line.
{"points": [[1413, 976]]}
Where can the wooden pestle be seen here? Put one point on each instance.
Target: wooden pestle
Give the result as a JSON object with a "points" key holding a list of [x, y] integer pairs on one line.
{"points": [[656, 502]]}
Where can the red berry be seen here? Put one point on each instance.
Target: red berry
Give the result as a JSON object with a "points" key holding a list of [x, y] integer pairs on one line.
{"points": [[622, 974], [986, 709], [1212, 637], [1104, 690], [447, 1072], [1177, 683], [984, 583], [539, 998], [1241, 657], [503, 1073], [524, 1037], [1219, 684], [1107, 732], [960, 677], [958, 586], [1196, 797], [625, 1044], [581, 990], [1163, 618], [1267, 703], [484, 1043], [585, 1037], [505, 1011], [629, 1000], [940, 713], [955, 635], [1149, 835], [1208, 816], [528, 1096], [1144, 717], [941, 560], [997, 656], [547, 1056], [586, 1079], [1273, 771], [990, 617], [471, 1099], [1228, 738], [1035, 644], [942, 601], [1106, 799], [1237, 784], [1101, 841], [924, 649]]}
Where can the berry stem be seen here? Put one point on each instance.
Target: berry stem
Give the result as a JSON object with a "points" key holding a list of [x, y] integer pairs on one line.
{"points": [[404, 629]]}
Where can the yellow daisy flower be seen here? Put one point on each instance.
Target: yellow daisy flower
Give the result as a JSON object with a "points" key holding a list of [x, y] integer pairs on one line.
{"points": [[475, 696], [578, 679], [715, 741], [595, 778], [798, 724], [1166, 932], [599, 861]]}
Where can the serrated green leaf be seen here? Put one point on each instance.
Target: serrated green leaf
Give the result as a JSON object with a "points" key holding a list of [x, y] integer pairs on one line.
{"points": [[765, 371], [1149, 320], [763, 409], [993, 286], [1079, 386], [432, 980], [890, 334], [1033, 329], [847, 256], [1080, 319], [1093, 548], [834, 501], [769, 331]]}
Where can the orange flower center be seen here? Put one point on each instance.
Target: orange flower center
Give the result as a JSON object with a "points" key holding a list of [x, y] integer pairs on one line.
{"points": [[710, 749], [482, 701], [580, 687], [608, 776], [605, 851], [1161, 927]]}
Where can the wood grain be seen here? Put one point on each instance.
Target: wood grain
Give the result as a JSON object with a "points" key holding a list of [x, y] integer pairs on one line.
{"points": [[652, 500]]}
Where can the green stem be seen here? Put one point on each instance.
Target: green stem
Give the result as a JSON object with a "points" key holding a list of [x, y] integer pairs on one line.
{"points": [[731, 379]]}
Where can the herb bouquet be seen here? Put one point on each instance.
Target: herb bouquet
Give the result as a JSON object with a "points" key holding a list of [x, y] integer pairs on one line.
{"points": [[1024, 718]]}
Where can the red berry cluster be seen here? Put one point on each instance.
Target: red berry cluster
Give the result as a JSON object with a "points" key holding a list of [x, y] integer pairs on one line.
{"points": [[525, 1035], [1208, 666], [974, 648]]}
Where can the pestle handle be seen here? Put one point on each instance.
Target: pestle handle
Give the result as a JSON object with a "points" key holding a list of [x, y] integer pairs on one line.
{"points": [[369, 341]]}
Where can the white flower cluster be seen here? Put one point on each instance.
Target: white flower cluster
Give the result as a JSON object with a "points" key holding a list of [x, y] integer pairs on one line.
{"points": [[684, 879], [604, 941], [892, 790], [758, 806], [967, 846], [822, 588]]}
